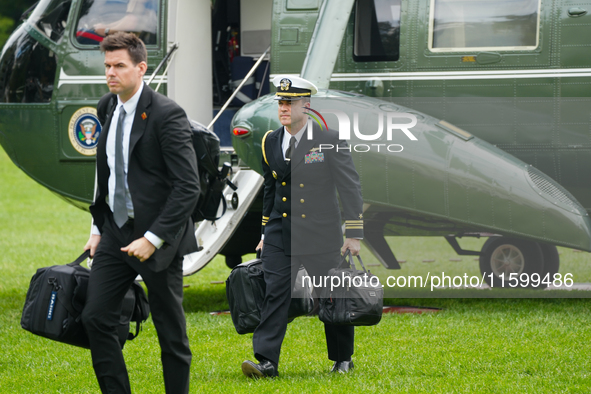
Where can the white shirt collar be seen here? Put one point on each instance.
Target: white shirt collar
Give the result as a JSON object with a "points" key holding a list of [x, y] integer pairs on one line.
{"points": [[131, 104], [287, 136]]}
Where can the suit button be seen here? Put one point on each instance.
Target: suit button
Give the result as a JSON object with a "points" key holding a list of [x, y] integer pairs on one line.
{"points": [[301, 185], [284, 199], [284, 215], [302, 200], [283, 183], [303, 216]]}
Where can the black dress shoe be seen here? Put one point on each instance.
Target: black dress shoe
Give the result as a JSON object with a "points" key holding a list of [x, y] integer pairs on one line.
{"points": [[342, 366], [266, 369]]}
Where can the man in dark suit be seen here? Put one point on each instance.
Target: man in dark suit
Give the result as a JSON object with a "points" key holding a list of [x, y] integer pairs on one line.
{"points": [[302, 222], [147, 188]]}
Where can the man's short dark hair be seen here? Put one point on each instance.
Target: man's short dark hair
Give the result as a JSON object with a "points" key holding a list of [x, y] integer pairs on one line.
{"points": [[122, 40]]}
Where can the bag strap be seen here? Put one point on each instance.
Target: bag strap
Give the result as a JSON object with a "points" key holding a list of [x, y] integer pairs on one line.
{"points": [[66, 301], [224, 208], [140, 297], [344, 259], [205, 157], [361, 262], [351, 261], [138, 327], [83, 256]]}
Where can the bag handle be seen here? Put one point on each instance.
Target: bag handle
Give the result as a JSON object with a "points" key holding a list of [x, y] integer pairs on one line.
{"points": [[351, 261], [224, 208], [83, 256], [361, 262]]}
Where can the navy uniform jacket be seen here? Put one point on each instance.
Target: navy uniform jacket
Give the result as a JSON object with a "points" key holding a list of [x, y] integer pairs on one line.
{"points": [[301, 213]]}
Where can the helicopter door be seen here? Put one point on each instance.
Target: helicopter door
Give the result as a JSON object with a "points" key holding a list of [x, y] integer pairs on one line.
{"points": [[573, 51]]}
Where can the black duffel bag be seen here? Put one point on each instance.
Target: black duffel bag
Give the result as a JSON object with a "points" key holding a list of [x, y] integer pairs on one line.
{"points": [[356, 301], [57, 295], [245, 289]]}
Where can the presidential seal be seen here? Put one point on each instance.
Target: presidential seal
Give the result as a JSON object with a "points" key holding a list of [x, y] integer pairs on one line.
{"points": [[84, 130]]}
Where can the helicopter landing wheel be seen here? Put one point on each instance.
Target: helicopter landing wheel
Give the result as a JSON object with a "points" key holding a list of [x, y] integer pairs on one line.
{"points": [[512, 263]]}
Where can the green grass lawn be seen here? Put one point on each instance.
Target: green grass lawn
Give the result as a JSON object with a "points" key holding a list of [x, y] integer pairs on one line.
{"points": [[471, 345]]}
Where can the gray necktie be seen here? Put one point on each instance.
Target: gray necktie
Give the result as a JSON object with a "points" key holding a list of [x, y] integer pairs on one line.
{"points": [[119, 205], [290, 149]]}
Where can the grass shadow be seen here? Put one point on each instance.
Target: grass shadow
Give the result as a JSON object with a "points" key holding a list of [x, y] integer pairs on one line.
{"points": [[205, 299]]}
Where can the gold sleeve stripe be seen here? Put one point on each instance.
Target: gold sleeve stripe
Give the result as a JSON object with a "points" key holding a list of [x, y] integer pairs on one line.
{"points": [[353, 227], [266, 217], [354, 221], [263, 146]]}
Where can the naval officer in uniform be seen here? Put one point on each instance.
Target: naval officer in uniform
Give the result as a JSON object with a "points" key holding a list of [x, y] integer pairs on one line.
{"points": [[302, 222]]}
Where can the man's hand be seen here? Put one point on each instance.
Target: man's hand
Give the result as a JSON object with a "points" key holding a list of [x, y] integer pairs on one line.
{"points": [[353, 244], [92, 244], [259, 246], [140, 248]]}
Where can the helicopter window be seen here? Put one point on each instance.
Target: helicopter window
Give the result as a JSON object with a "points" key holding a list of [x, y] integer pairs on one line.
{"points": [[377, 30], [101, 17], [50, 17], [457, 25], [27, 71]]}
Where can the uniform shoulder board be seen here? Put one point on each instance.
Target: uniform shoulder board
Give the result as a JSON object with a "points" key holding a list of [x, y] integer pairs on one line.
{"points": [[263, 146]]}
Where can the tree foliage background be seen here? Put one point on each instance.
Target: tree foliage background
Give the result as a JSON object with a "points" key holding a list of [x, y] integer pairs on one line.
{"points": [[10, 13]]}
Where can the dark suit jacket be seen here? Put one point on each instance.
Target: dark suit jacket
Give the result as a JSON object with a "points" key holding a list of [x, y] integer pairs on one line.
{"points": [[162, 174], [301, 213]]}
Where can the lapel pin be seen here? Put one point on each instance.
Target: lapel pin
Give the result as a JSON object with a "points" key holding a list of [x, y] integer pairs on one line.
{"points": [[144, 116]]}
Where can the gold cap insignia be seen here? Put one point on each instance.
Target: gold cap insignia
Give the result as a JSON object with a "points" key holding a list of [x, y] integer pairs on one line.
{"points": [[285, 84]]}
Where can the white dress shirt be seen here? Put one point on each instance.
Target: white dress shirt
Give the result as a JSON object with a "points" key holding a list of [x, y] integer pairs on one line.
{"points": [[287, 137]]}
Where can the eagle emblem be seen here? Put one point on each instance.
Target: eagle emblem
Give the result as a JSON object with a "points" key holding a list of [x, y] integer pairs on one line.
{"points": [[285, 84], [88, 128]]}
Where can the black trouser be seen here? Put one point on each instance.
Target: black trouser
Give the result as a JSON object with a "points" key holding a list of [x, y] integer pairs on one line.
{"points": [[111, 275], [280, 273]]}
